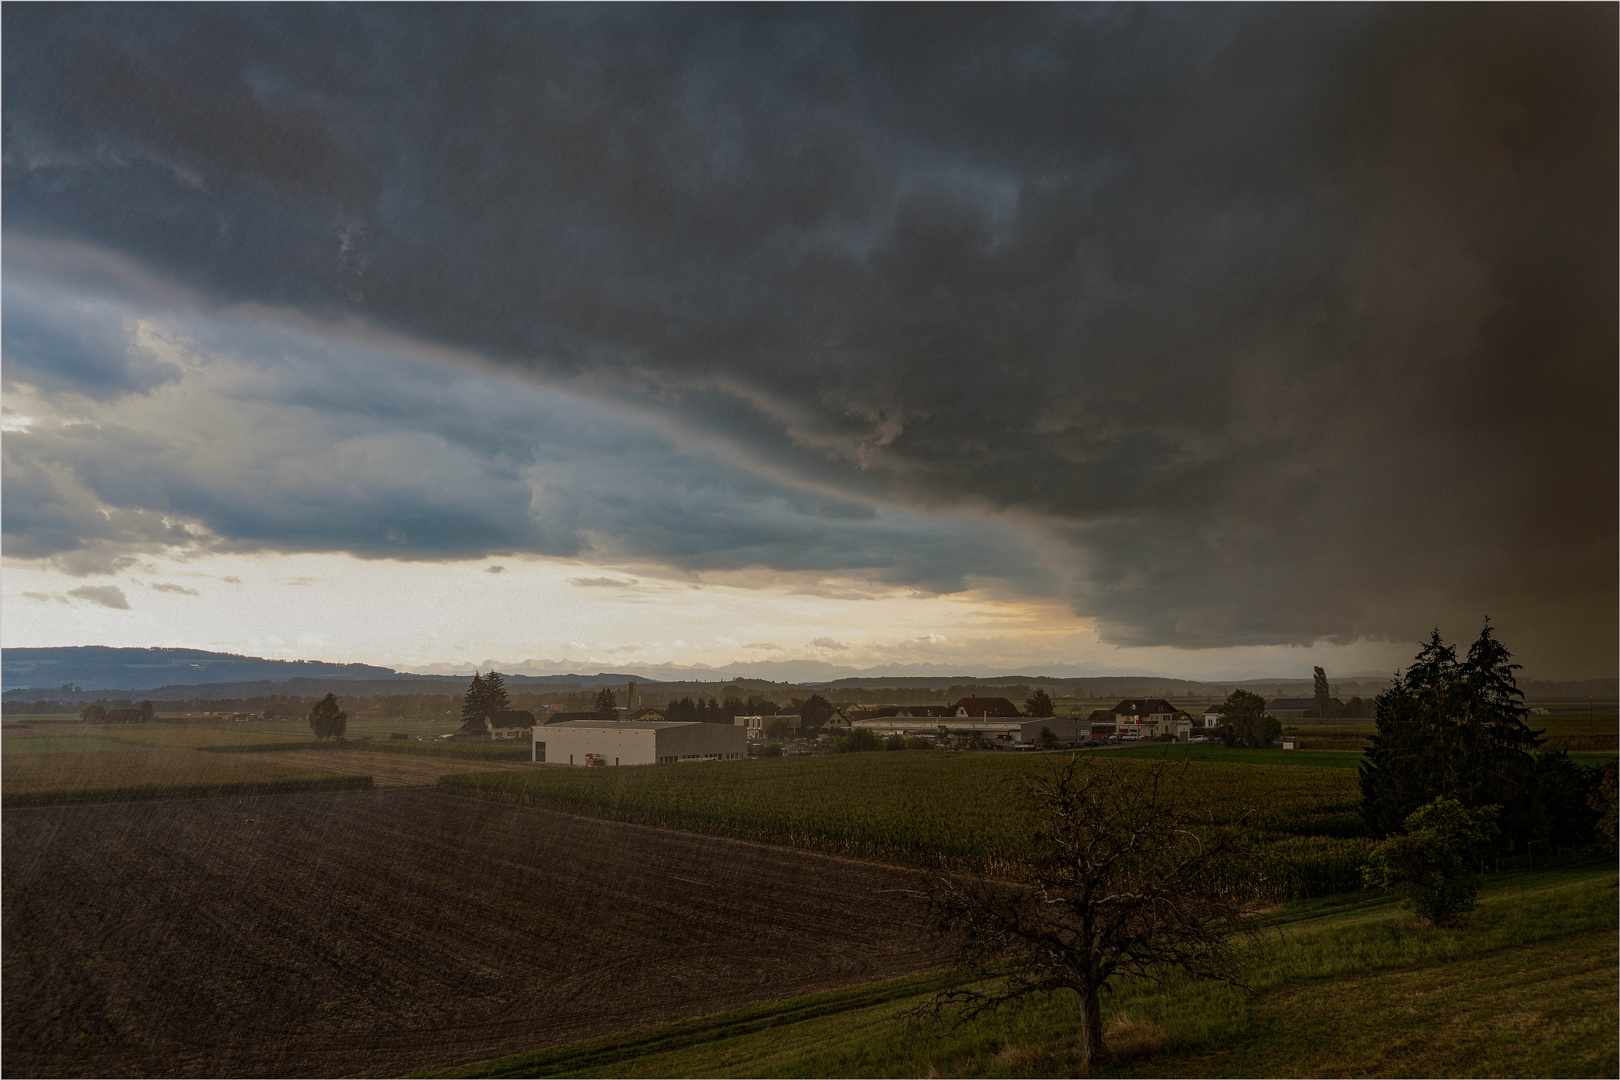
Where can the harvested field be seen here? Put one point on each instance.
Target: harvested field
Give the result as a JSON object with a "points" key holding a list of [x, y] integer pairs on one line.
{"points": [[386, 769], [373, 933]]}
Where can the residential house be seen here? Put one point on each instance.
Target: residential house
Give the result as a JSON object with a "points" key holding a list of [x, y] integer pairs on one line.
{"points": [[981, 708], [1150, 718], [506, 724]]}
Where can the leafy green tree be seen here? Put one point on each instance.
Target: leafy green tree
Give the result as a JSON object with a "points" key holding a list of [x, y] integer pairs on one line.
{"points": [[1455, 728], [1603, 802], [1323, 696], [1128, 877], [1038, 704], [777, 729], [1431, 862], [148, 712], [895, 742], [1047, 739], [92, 714], [607, 702], [1563, 814], [1245, 722], [326, 720]]}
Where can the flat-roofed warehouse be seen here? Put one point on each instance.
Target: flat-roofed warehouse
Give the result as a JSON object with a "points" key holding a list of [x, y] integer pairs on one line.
{"points": [[637, 742]]}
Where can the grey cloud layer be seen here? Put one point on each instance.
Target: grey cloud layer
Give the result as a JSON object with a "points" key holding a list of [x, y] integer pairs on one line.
{"points": [[262, 437], [1290, 321]]}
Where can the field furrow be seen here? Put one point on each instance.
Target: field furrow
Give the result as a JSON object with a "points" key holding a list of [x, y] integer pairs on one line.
{"points": [[374, 933]]}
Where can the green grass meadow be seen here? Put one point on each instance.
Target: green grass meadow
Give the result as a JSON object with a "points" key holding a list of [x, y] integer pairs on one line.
{"points": [[1345, 985]]}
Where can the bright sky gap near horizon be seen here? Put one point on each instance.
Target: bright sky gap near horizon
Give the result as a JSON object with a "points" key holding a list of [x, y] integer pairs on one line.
{"points": [[1213, 342]]}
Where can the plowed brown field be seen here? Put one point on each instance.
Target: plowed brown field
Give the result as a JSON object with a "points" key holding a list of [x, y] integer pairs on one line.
{"points": [[372, 933]]}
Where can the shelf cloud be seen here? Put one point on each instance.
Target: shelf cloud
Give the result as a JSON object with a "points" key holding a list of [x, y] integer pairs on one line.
{"points": [[1226, 325]]}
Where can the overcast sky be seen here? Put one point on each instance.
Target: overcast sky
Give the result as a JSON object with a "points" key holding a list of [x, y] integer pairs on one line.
{"points": [[1209, 340]]}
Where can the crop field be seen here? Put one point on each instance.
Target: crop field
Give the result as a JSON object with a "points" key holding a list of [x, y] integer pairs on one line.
{"points": [[373, 933], [960, 811], [385, 769], [1319, 759], [1347, 986], [88, 769], [253, 734]]}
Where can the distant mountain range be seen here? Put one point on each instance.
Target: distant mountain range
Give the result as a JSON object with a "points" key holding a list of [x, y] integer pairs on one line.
{"points": [[96, 667], [86, 672], [89, 672]]}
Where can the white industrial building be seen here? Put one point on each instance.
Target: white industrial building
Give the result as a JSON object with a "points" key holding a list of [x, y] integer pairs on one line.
{"points": [[637, 742], [1015, 730]]}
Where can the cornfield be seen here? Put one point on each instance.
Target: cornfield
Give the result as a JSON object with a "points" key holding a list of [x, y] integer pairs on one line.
{"points": [[964, 812]]}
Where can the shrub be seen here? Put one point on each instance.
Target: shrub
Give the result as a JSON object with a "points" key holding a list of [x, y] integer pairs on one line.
{"points": [[856, 741], [1432, 862], [1603, 802]]}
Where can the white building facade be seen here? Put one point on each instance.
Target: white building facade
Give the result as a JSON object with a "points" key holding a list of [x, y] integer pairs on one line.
{"points": [[1012, 730], [637, 742]]}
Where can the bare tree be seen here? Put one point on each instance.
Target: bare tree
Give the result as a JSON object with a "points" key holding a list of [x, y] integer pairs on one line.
{"points": [[1128, 877]]}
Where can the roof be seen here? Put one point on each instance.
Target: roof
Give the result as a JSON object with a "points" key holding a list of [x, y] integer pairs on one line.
{"points": [[1143, 707], [555, 718], [995, 706], [935, 723], [625, 725], [503, 718], [1102, 716]]}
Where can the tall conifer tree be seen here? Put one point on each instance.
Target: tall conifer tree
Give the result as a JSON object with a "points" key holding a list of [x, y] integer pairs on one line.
{"points": [[495, 697], [1454, 728], [474, 704]]}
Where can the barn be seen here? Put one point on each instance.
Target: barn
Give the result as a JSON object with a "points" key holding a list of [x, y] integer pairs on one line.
{"points": [[637, 742]]}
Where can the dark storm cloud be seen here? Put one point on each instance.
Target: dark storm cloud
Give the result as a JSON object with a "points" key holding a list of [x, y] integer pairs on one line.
{"points": [[1291, 321], [63, 342]]}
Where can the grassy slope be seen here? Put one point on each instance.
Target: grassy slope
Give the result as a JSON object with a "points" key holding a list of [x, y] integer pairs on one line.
{"points": [[1343, 986]]}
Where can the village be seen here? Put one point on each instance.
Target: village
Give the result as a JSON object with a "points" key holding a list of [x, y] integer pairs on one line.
{"points": [[630, 734]]}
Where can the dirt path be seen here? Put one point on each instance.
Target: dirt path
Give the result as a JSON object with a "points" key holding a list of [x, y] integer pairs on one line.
{"points": [[375, 933], [384, 768]]}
